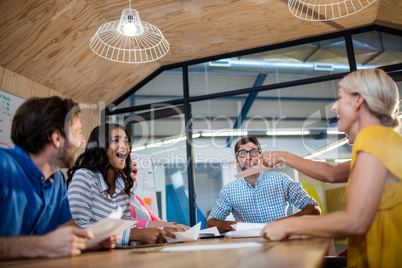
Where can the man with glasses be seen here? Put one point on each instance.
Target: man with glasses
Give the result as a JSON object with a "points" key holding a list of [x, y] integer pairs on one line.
{"points": [[259, 198]]}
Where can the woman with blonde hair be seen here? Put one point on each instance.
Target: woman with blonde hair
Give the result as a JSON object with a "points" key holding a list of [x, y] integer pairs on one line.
{"points": [[367, 112]]}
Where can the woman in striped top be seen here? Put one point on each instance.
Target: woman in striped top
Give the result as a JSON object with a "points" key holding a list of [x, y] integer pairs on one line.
{"points": [[99, 183]]}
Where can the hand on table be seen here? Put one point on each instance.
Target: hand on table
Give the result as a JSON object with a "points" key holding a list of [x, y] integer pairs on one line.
{"points": [[182, 226], [150, 235], [274, 231], [174, 229], [177, 226]]}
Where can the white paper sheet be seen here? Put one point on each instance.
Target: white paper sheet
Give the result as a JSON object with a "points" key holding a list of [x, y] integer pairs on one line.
{"points": [[212, 247], [109, 226], [189, 235], [241, 226], [245, 229], [192, 234], [209, 232], [251, 171]]}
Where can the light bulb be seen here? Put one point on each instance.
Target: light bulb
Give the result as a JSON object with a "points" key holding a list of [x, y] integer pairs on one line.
{"points": [[129, 29]]}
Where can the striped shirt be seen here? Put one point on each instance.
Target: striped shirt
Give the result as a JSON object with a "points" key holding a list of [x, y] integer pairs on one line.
{"points": [[90, 201], [267, 201]]}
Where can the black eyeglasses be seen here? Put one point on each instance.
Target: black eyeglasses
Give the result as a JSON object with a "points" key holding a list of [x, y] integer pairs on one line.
{"points": [[252, 152]]}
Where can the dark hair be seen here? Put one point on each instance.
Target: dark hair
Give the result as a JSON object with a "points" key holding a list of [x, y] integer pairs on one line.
{"points": [[95, 158], [245, 140], [36, 120]]}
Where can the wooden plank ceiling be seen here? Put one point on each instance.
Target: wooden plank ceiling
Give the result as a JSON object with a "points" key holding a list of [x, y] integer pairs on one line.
{"points": [[47, 40]]}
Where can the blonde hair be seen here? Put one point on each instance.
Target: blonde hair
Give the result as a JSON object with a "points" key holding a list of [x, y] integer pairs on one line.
{"points": [[378, 90]]}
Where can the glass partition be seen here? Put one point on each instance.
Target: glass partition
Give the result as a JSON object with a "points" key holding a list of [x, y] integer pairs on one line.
{"points": [[270, 67], [166, 86], [159, 134], [373, 49], [297, 118]]}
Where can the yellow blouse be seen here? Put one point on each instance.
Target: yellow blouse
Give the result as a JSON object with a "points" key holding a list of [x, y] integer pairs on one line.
{"points": [[381, 246]]}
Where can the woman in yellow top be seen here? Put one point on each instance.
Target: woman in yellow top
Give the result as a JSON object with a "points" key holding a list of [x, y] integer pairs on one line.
{"points": [[367, 112]]}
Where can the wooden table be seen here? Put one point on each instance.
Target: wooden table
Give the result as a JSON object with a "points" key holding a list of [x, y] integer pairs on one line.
{"points": [[307, 252]]}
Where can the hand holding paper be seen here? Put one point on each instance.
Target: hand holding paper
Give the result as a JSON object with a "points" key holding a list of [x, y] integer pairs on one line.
{"points": [[107, 227], [192, 234], [189, 235]]}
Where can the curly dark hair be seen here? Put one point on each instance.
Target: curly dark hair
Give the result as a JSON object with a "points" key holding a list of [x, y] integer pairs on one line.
{"points": [[95, 158]]}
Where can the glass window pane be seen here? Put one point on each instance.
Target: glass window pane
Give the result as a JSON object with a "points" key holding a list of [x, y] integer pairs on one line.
{"points": [[166, 86], [274, 116], [296, 105], [160, 134], [271, 114], [270, 67], [209, 176], [377, 49]]}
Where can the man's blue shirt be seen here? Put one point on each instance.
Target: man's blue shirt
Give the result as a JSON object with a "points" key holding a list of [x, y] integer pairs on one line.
{"points": [[267, 201], [28, 204]]}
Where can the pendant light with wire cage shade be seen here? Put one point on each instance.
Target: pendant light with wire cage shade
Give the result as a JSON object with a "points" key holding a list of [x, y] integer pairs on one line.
{"points": [[129, 40], [325, 10]]}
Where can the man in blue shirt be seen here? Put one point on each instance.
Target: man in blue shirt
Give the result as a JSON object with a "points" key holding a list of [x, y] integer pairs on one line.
{"points": [[35, 214], [258, 198]]}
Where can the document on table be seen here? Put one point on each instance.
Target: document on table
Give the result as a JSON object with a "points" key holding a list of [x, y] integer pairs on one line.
{"points": [[212, 247], [209, 232], [246, 229], [251, 171], [109, 226], [192, 234], [189, 235]]}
